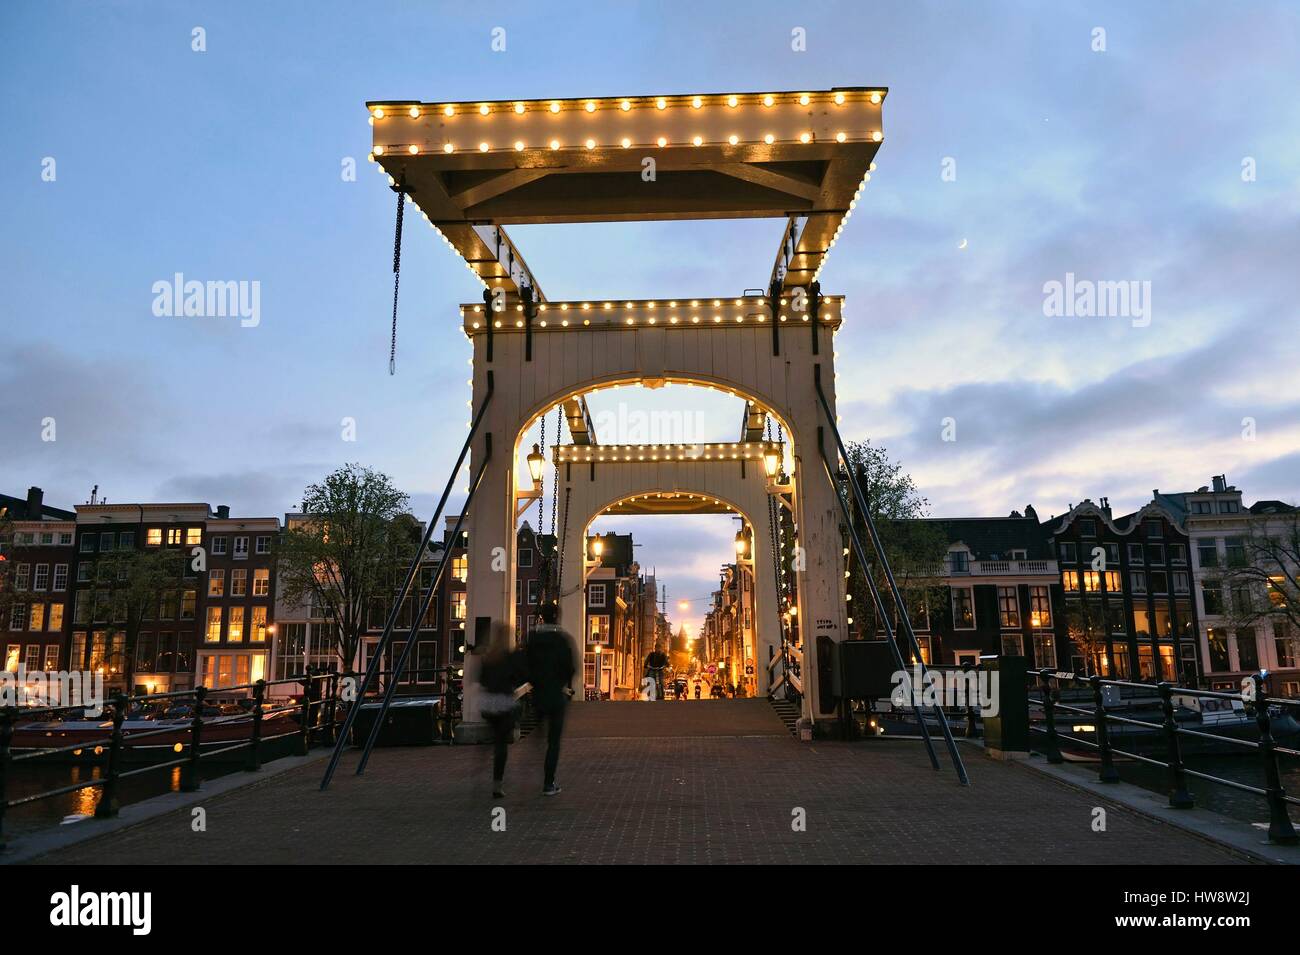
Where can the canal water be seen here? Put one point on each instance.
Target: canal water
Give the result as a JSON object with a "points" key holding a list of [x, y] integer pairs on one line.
{"points": [[1247, 768], [29, 778]]}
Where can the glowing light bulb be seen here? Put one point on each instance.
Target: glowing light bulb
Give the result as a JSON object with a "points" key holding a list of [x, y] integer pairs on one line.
{"points": [[413, 149], [379, 150], [625, 142], [662, 142], [698, 140], [519, 107], [625, 105], [732, 100], [591, 144], [769, 139], [875, 99], [661, 103], [555, 144], [697, 102], [483, 147], [415, 112], [805, 137], [839, 99], [379, 112], [733, 139], [555, 107], [804, 99], [877, 136], [449, 111], [519, 145], [484, 109], [591, 106], [840, 137], [768, 100]]}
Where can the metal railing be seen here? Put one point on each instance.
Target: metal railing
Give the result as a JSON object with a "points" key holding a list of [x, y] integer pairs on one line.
{"points": [[1280, 829], [316, 718]]}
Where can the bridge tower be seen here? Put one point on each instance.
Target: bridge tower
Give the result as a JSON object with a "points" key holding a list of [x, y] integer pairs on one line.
{"points": [[473, 168]]}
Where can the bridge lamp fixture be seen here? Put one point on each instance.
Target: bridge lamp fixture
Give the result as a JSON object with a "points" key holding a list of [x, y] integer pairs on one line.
{"points": [[597, 547], [742, 545], [535, 461], [771, 459]]}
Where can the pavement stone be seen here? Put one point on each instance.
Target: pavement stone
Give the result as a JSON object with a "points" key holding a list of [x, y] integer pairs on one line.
{"points": [[713, 782]]}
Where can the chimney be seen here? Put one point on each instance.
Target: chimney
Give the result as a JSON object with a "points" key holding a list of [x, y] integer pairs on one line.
{"points": [[1030, 512], [223, 512], [35, 498], [1220, 483]]}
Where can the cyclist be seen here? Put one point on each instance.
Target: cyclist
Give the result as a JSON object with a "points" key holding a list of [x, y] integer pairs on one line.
{"points": [[656, 662]]}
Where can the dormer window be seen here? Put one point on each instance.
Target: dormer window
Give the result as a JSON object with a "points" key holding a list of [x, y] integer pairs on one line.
{"points": [[959, 561], [1087, 527]]}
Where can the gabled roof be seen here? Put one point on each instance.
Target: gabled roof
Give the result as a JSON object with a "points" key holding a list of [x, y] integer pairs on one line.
{"points": [[1272, 507], [993, 538], [16, 510]]}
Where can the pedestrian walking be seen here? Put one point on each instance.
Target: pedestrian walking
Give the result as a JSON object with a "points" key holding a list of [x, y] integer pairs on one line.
{"points": [[501, 673], [551, 666]]}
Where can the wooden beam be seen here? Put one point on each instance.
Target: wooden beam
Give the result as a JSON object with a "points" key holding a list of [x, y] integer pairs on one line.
{"points": [[761, 176]]}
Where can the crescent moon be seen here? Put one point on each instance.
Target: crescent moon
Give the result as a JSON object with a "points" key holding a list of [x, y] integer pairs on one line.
{"points": [[962, 245]]}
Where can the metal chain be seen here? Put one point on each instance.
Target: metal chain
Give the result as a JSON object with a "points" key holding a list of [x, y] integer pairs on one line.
{"points": [[559, 418], [541, 498], [397, 273], [564, 533]]}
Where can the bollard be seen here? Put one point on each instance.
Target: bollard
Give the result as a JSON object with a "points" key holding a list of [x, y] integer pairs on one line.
{"points": [[255, 744], [190, 780], [971, 729], [1107, 773], [1280, 830], [8, 715], [1053, 746], [1179, 797], [108, 804]]}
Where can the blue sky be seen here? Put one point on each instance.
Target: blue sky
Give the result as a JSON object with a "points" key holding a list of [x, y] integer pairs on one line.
{"points": [[1118, 165]]}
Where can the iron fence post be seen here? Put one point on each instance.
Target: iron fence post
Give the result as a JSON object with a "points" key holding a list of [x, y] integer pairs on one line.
{"points": [[7, 716], [108, 803], [1107, 773], [331, 710], [190, 780], [1053, 746], [1179, 797], [1280, 830], [971, 730], [304, 731], [255, 744]]}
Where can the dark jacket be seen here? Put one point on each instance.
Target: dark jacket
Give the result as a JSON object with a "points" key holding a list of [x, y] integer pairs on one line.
{"points": [[550, 666], [503, 673]]}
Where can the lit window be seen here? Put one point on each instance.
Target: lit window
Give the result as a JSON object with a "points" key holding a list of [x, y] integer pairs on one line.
{"points": [[193, 536], [153, 537], [258, 634], [213, 633], [216, 583], [235, 628], [261, 582]]}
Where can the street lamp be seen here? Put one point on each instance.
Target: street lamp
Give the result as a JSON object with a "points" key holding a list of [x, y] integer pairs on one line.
{"points": [[742, 545], [597, 547], [535, 461]]}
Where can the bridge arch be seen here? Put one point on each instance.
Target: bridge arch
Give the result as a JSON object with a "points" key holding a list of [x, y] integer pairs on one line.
{"points": [[527, 373]]}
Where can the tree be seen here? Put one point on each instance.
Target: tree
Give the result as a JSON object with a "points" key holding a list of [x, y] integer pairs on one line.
{"points": [[353, 541], [1263, 582], [138, 582], [1086, 625], [915, 548]]}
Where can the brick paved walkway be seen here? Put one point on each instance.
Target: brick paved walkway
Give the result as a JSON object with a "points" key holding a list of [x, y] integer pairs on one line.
{"points": [[707, 782]]}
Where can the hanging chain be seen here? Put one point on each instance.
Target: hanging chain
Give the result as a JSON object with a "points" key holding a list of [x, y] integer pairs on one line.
{"points": [[564, 533], [555, 484], [397, 273], [541, 498]]}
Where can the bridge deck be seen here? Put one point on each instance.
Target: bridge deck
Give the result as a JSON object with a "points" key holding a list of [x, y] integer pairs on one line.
{"points": [[691, 782]]}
